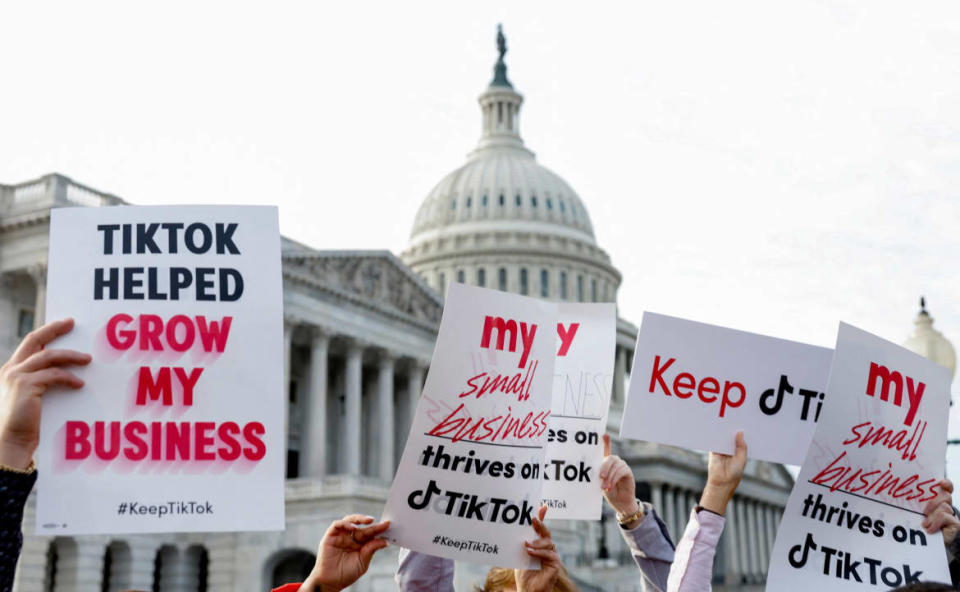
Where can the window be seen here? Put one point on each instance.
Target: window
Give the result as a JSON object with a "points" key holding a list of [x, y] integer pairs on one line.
{"points": [[482, 277], [519, 200], [462, 276], [484, 200], [544, 283], [549, 204], [533, 200], [563, 285], [442, 282], [502, 279], [453, 204], [593, 289], [523, 281], [469, 201], [579, 288], [501, 199], [562, 209], [25, 322]]}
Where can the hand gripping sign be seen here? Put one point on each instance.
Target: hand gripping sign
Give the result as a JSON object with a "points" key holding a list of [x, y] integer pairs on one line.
{"points": [[179, 425], [582, 381], [696, 385], [853, 520], [469, 481]]}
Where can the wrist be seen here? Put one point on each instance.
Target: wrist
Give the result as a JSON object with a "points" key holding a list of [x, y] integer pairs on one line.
{"points": [[16, 455], [715, 500]]}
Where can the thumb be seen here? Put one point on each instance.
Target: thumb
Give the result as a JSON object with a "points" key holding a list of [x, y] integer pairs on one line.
{"points": [[741, 451], [606, 445], [367, 550]]}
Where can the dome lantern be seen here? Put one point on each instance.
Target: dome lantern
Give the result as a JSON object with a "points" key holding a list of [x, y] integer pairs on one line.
{"points": [[500, 107], [930, 343]]}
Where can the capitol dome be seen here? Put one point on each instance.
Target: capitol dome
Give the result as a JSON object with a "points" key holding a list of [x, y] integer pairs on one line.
{"points": [[930, 343], [503, 220]]}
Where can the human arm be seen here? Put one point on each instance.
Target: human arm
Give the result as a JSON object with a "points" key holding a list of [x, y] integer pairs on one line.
{"points": [[644, 533], [345, 553], [419, 572], [692, 569], [940, 515], [544, 549], [24, 378]]}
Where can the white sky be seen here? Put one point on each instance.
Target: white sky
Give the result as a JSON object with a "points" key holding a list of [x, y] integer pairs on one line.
{"points": [[774, 167]]}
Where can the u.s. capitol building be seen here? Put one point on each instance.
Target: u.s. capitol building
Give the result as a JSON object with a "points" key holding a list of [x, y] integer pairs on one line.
{"points": [[359, 333]]}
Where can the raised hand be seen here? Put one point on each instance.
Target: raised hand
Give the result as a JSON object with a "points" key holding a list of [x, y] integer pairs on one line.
{"points": [[617, 482], [345, 553], [544, 549], [724, 472], [939, 513], [23, 380]]}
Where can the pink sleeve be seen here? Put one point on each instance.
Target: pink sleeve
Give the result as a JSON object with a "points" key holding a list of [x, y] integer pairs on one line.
{"points": [[692, 569]]}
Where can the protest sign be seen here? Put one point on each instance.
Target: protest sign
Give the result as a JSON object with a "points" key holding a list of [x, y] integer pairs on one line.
{"points": [[853, 520], [469, 481], [179, 425], [696, 385], [582, 380]]}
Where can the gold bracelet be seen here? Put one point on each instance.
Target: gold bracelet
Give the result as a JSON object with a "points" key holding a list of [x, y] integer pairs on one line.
{"points": [[625, 520], [31, 468]]}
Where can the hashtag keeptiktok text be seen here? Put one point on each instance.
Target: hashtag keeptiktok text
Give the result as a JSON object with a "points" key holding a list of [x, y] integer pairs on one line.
{"points": [[177, 508]]}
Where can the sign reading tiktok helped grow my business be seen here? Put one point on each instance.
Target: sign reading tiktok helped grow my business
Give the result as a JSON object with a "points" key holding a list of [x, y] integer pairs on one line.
{"points": [[696, 385], [582, 380], [853, 520], [179, 424], [469, 482]]}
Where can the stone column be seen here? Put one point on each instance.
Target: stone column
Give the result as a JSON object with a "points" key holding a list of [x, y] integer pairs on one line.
{"points": [[314, 450], [749, 508], [670, 511], [619, 375], [143, 551], [385, 414], [683, 513], [761, 538], [731, 526], [39, 274], [772, 526], [743, 546], [414, 386], [656, 495], [354, 395], [288, 327], [82, 569]]}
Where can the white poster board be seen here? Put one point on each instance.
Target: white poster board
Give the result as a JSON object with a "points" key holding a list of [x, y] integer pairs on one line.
{"points": [[469, 481], [582, 381], [179, 425], [853, 520], [695, 386]]}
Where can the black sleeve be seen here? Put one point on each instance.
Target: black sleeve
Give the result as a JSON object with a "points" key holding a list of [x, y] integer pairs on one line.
{"points": [[14, 489]]}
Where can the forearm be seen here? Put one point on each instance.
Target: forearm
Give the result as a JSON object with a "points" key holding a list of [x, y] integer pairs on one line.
{"points": [[692, 569], [419, 572], [14, 489], [650, 547]]}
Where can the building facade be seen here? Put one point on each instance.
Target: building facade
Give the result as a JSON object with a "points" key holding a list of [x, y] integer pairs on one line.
{"points": [[359, 333]]}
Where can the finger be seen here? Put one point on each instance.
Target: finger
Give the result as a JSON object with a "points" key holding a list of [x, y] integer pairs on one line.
{"points": [[622, 471], [368, 549], [741, 452], [54, 376], [543, 555], [936, 502], [38, 338], [946, 485], [54, 357], [937, 521], [542, 513], [368, 532], [606, 445], [607, 465], [358, 519], [541, 543], [541, 529]]}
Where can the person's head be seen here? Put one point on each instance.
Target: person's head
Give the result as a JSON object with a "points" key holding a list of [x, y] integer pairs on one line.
{"points": [[501, 579]]}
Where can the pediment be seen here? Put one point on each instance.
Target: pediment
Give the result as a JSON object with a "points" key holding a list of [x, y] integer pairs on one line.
{"points": [[374, 278]]}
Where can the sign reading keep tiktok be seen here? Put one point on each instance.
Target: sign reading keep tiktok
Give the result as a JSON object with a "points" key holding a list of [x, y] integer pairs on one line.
{"points": [[179, 424]]}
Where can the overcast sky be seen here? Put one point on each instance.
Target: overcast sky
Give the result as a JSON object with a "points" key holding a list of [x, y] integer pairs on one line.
{"points": [[774, 167]]}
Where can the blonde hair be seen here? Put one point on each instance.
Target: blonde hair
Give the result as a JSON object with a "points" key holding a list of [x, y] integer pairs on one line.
{"points": [[501, 578]]}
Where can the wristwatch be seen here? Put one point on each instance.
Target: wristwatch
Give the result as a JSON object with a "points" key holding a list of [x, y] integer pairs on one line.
{"points": [[624, 519]]}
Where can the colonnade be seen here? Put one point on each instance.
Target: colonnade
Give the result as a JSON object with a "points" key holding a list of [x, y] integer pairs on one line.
{"points": [[748, 535], [356, 380]]}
